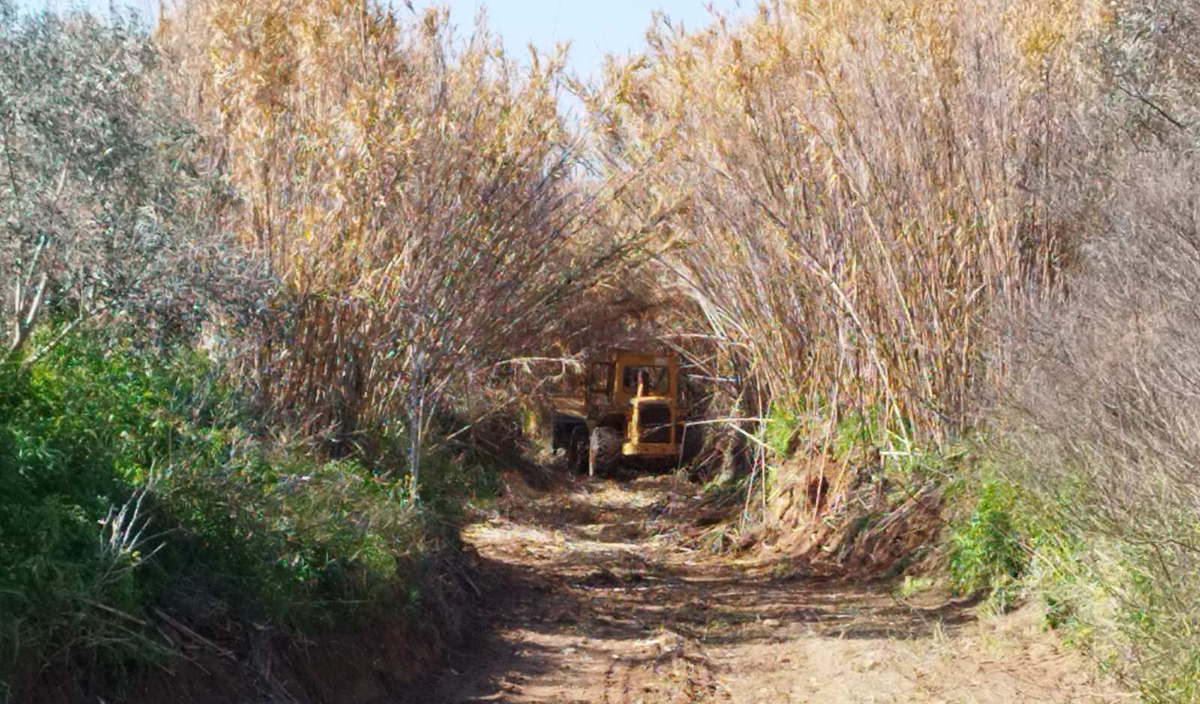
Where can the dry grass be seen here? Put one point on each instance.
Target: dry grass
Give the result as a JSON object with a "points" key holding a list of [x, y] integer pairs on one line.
{"points": [[864, 199]]}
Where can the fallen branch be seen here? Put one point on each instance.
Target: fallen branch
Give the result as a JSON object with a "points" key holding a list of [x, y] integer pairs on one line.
{"points": [[194, 635]]}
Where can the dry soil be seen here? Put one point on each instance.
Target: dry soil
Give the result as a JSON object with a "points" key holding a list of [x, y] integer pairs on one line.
{"points": [[602, 591]]}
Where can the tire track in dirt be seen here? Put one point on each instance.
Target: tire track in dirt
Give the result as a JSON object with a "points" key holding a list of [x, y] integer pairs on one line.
{"points": [[596, 592], [616, 684]]}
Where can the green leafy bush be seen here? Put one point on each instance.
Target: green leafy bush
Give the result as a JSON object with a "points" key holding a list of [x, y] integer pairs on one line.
{"points": [[987, 549], [782, 424], [218, 523]]}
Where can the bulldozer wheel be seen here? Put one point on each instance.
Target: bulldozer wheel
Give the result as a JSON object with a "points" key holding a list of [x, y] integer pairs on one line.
{"points": [[692, 439], [577, 450], [605, 451]]}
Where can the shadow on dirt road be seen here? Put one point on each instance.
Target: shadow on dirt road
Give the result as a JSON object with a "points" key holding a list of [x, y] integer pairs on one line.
{"points": [[596, 592]]}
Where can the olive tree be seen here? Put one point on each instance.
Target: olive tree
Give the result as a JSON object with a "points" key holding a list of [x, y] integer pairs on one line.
{"points": [[103, 209]]}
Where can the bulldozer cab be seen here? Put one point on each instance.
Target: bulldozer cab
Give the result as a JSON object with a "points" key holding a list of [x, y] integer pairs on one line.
{"points": [[626, 375]]}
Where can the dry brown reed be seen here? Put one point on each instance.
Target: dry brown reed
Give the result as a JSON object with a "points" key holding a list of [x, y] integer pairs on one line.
{"points": [[410, 188], [860, 186]]}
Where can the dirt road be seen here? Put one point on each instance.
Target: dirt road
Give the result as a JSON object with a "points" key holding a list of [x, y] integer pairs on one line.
{"points": [[599, 592]]}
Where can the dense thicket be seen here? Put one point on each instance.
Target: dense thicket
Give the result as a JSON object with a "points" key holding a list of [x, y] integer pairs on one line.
{"points": [[861, 198], [103, 208], [1105, 402], [239, 310], [856, 188], [409, 187]]}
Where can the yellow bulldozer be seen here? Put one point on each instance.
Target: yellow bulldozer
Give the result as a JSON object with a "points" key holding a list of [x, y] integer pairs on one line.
{"points": [[626, 413]]}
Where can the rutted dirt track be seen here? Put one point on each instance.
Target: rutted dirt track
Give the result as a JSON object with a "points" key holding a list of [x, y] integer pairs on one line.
{"points": [[598, 593]]}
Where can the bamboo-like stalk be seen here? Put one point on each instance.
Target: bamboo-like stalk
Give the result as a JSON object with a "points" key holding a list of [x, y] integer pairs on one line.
{"points": [[410, 189], [852, 221]]}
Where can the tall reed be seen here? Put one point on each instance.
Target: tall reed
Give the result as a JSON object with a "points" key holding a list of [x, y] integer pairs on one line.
{"points": [[861, 186], [410, 188]]}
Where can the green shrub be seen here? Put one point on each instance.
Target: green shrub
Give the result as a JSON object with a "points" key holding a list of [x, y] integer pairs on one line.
{"points": [[105, 207], [853, 433], [219, 524], [987, 550], [452, 474], [782, 424]]}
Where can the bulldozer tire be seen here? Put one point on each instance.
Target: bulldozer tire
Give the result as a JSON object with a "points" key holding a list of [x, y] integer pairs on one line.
{"points": [[605, 451], [692, 441], [577, 450]]}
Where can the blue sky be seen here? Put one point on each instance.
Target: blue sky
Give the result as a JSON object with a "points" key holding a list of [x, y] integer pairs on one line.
{"points": [[593, 28]]}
